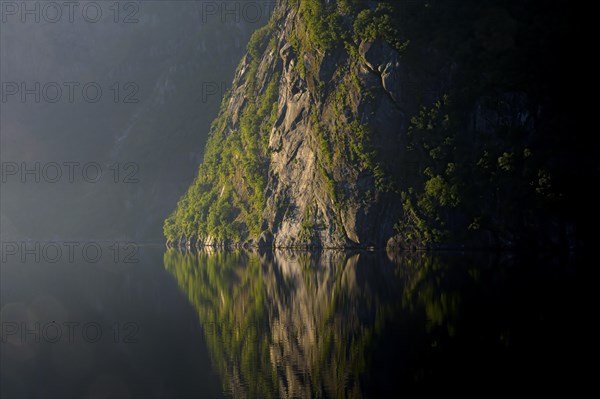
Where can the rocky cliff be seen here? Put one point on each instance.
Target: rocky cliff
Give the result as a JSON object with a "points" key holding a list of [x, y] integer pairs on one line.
{"points": [[411, 124]]}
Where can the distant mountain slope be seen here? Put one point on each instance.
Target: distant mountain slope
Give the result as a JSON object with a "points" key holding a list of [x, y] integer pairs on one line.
{"points": [[181, 60]]}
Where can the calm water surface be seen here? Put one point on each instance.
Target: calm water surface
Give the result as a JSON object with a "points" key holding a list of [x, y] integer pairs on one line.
{"points": [[286, 324]]}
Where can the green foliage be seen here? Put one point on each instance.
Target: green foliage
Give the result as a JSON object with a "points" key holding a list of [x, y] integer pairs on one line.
{"points": [[361, 149], [322, 22], [427, 207], [349, 6], [259, 41], [370, 25], [469, 185], [505, 162], [299, 51], [323, 140], [226, 201]]}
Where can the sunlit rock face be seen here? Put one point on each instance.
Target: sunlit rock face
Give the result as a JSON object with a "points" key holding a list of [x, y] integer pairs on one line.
{"points": [[412, 125]]}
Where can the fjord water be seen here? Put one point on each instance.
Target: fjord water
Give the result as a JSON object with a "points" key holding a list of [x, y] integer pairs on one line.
{"points": [[286, 324]]}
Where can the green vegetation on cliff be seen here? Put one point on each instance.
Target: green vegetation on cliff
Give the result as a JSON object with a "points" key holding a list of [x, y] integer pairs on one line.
{"points": [[461, 90], [211, 207]]}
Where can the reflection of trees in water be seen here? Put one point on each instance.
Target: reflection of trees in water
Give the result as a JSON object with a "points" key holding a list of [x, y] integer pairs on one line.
{"points": [[305, 325], [428, 288]]}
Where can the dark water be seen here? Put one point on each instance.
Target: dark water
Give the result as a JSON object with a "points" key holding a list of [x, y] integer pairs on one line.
{"points": [[240, 324]]}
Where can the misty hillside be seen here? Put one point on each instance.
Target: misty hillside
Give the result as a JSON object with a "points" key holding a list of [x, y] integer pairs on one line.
{"points": [[162, 78]]}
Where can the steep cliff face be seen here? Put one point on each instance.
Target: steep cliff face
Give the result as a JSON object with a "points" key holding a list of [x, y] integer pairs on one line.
{"points": [[374, 123]]}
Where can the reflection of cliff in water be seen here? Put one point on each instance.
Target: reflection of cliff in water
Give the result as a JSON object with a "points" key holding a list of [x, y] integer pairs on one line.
{"points": [[338, 325]]}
